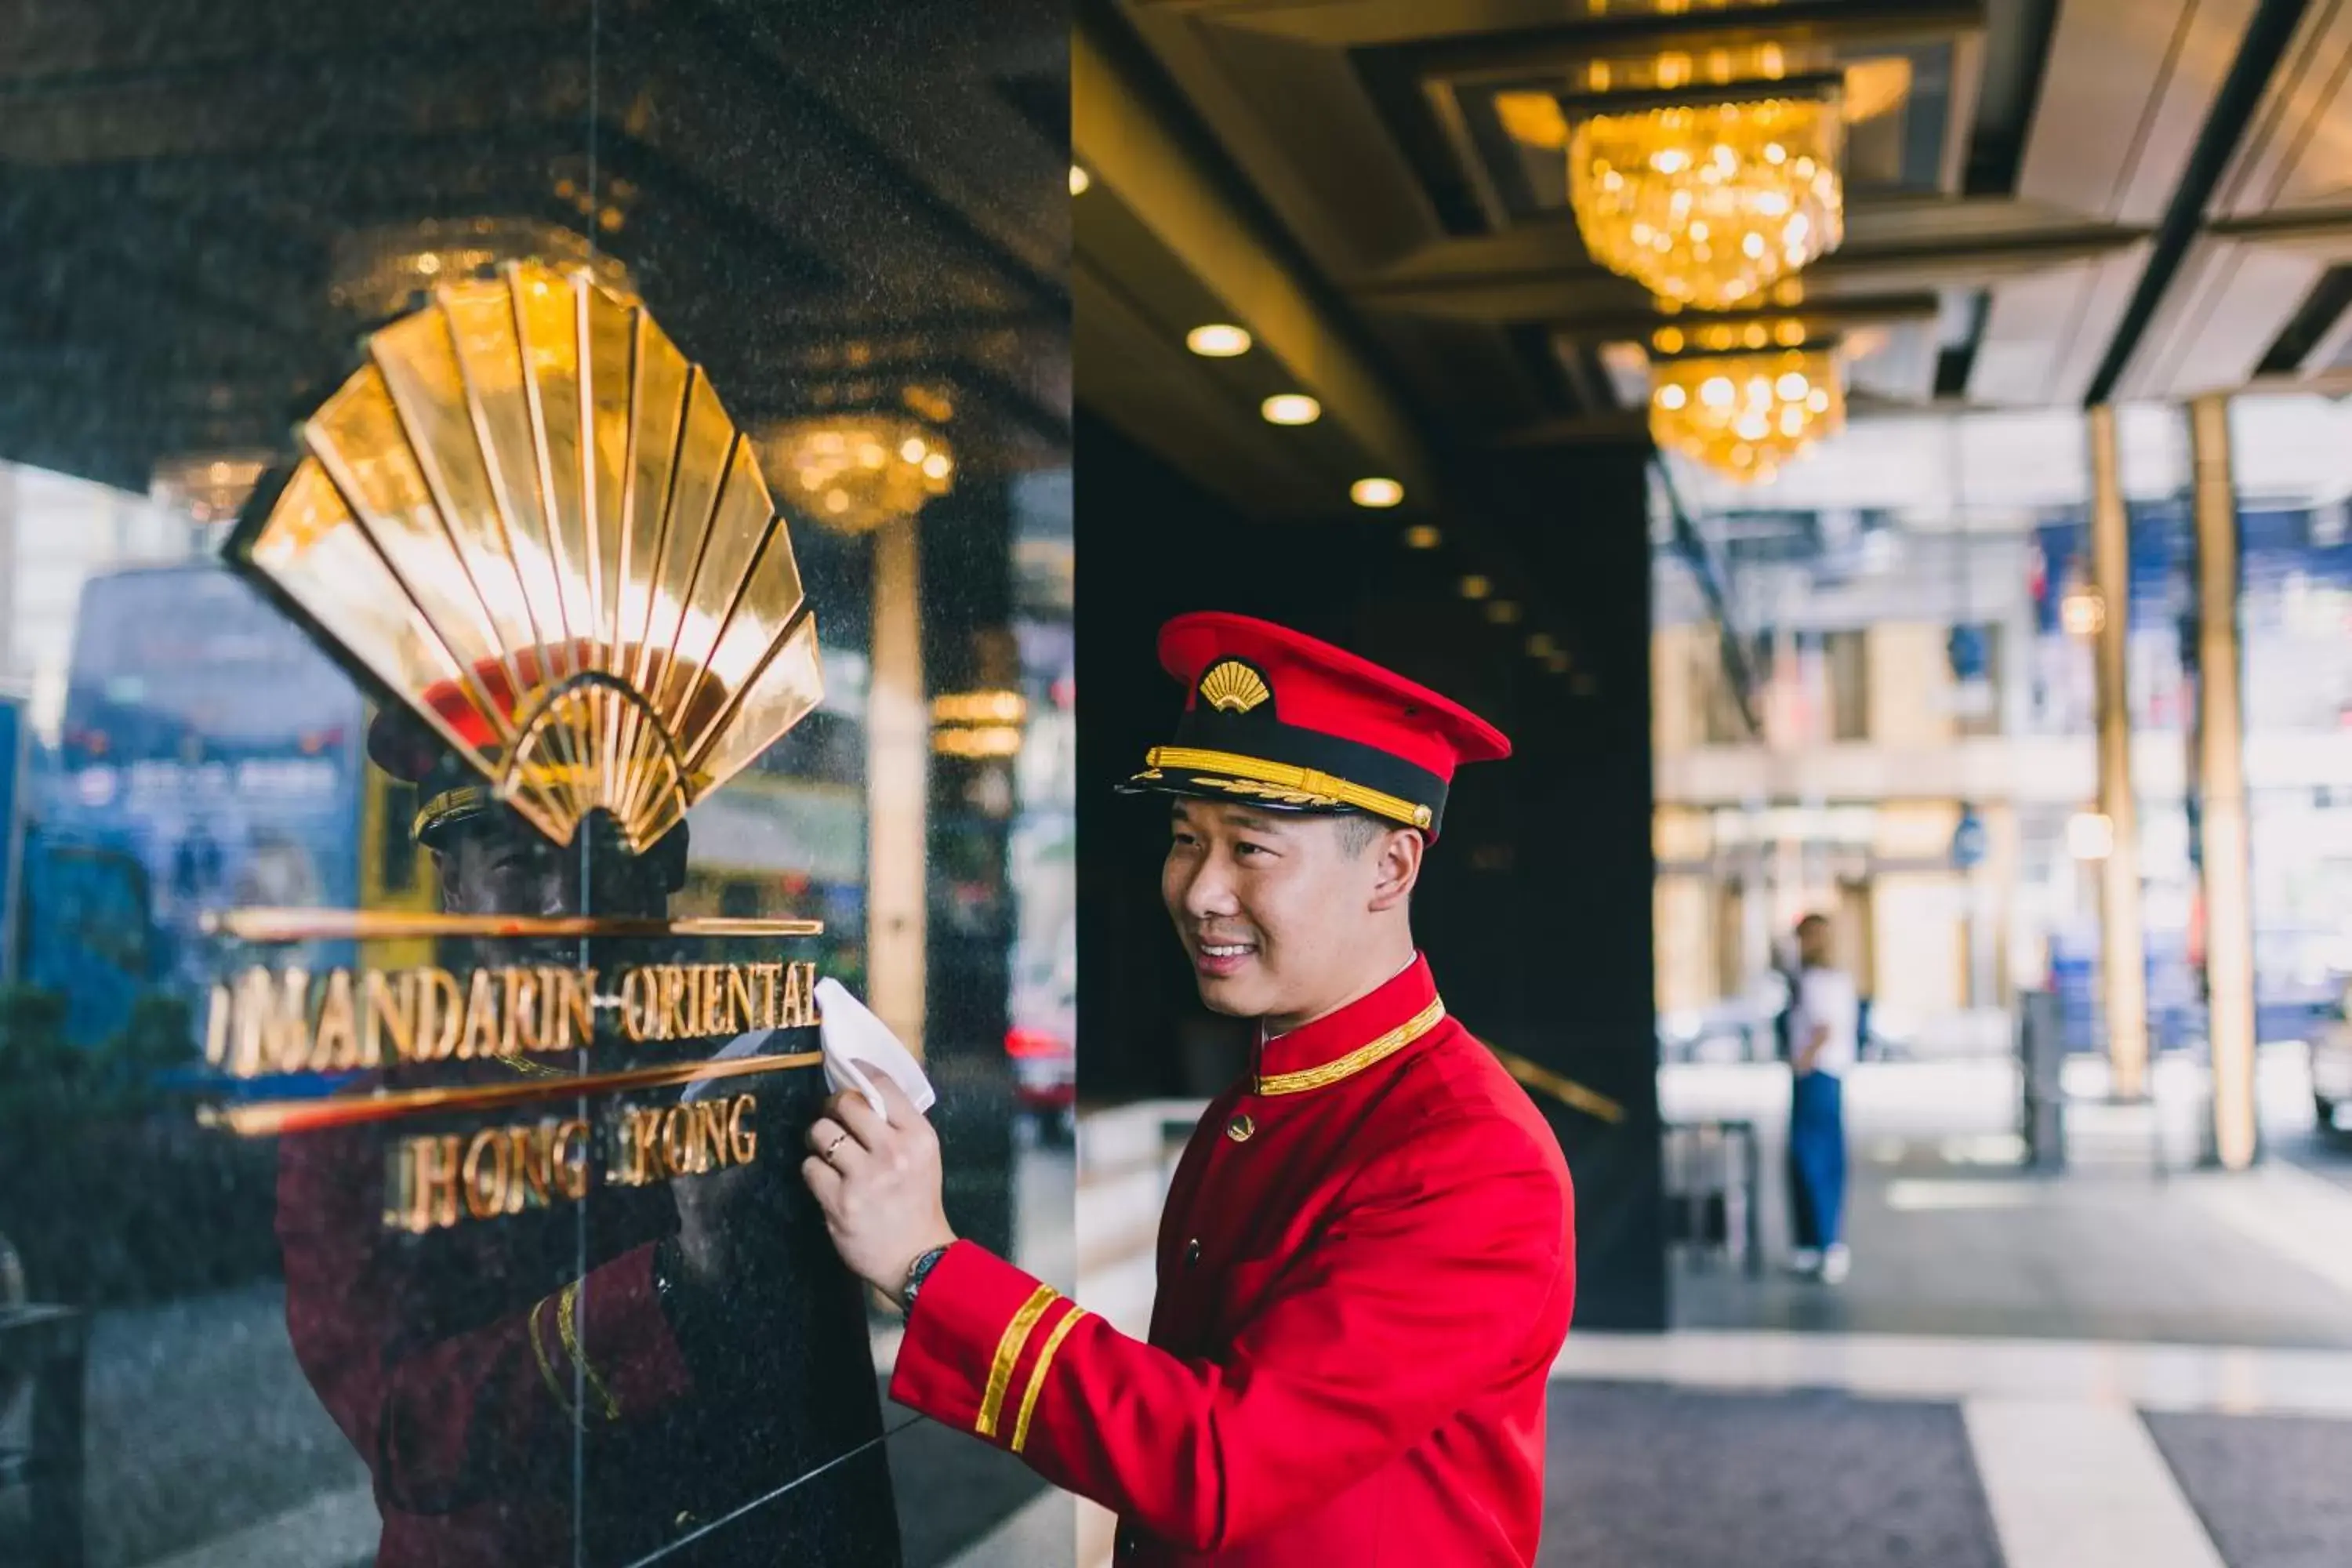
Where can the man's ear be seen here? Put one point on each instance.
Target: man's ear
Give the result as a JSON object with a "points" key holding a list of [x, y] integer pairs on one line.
{"points": [[1396, 866]]}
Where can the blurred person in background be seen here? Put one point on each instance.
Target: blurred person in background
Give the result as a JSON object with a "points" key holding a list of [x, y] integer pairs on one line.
{"points": [[1825, 1021]]}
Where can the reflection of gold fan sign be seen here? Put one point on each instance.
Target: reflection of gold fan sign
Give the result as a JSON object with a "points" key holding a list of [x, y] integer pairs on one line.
{"points": [[530, 517]]}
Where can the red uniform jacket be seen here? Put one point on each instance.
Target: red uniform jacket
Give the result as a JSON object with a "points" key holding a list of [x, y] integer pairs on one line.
{"points": [[1366, 1270]]}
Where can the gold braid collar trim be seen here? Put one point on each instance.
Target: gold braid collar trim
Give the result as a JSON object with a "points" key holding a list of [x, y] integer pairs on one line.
{"points": [[1008, 1351], [546, 1367], [567, 1308], [1037, 1375], [1321, 788], [1356, 1060]]}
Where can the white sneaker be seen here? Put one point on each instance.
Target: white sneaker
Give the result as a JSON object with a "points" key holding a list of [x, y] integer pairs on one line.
{"points": [[1835, 1263], [1805, 1260]]}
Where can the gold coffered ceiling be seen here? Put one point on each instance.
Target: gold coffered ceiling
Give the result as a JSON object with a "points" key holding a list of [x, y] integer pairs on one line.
{"points": [[1386, 178]]}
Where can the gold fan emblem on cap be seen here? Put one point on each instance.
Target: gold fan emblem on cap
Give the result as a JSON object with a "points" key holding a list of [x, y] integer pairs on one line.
{"points": [[528, 517], [1233, 686]]}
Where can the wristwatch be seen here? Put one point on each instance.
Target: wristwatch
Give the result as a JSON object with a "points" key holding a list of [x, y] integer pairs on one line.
{"points": [[917, 1272]]}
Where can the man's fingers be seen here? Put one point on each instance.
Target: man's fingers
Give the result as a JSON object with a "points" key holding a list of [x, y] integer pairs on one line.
{"points": [[824, 1180], [865, 1123], [832, 1142], [894, 1098]]}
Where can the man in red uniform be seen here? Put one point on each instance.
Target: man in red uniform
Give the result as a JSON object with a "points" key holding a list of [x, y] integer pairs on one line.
{"points": [[1365, 1265]]}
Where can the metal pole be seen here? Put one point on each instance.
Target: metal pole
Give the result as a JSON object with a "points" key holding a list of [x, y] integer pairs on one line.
{"points": [[2224, 863], [2123, 962]]}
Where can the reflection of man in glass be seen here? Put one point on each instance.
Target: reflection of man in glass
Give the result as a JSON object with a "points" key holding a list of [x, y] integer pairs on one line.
{"points": [[615, 1374]]}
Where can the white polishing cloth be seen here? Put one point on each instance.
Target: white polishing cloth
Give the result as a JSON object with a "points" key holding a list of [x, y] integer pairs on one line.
{"points": [[851, 1034]]}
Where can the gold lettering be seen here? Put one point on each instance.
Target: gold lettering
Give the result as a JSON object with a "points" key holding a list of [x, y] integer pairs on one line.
{"points": [[440, 1014], [336, 1048], [740, 1015], [487, 1179], [709, 1135], [273, 1024], [713, 990], [673, 986], [797, 1007], [524, 1030], [481, 1036], [532, 1146], [768, 973], [426, 1182], [570, 1158], [390, 1007], [573, 1004], [640, 1135], [677, 1145], [637, 1003], [742, 1138]]}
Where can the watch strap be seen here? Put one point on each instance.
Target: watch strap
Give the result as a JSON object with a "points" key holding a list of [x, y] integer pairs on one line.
{"points": [[917, 1272]]}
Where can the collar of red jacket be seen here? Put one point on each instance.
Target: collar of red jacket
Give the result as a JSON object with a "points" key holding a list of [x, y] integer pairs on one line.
{"points": [[1372, 1028]]}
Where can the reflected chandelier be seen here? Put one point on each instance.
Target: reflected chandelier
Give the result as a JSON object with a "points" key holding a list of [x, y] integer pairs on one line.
{"points": [[854, 472], [1709, 204], [1745, 414]]}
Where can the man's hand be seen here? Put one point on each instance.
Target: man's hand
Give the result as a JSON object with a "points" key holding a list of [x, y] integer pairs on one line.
{"points": [[878, 1182]]}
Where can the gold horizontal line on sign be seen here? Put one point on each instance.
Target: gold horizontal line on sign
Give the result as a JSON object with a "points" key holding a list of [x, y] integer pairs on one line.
{"points": [[370, 925], [266, 1119], [1567, 1090]]}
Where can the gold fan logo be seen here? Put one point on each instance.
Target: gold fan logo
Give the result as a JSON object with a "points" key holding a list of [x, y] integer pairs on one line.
{"points": [[528, 517], [1233, 686]]}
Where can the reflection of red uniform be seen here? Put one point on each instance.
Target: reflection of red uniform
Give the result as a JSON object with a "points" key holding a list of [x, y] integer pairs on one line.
{"points": [[460, 1407], [517, 1384], [1365, 1272]]}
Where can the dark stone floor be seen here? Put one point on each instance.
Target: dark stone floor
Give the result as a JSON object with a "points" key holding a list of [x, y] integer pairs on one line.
{"points": [[1644, 1476], [2273, 1491]]}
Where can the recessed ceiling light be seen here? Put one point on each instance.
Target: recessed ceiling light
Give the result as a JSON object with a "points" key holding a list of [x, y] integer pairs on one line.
{"points": [[1218, 339], [1420, 536], [1540, 645], [1290, 408], [1475, 587], [1503, 612], [1080, 180], [1376, 492], [1557, 662]]}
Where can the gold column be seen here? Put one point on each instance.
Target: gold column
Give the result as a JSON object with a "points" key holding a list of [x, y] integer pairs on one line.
{"points": [[897, 790], [2122, 953], [2220, 783]]}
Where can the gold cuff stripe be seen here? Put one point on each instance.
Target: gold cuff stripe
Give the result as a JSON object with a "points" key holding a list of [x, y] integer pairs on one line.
{"points": [[1037, 1373], [1307, 781], [547, 1367], [1359, 1059], [567, 1307], [1008, 1351]]}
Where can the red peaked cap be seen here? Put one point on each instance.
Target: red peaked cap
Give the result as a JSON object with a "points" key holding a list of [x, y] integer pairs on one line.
{"points": [[1272, 717]]}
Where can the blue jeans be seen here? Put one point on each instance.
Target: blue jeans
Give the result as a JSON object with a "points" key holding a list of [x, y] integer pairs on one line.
{"points": [[1817, 1161]]}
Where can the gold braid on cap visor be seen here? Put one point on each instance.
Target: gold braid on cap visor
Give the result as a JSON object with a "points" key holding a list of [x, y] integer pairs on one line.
{"points": [[1322, 787]]}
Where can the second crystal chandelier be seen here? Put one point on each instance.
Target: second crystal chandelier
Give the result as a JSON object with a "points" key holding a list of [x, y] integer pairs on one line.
{"points": [[1709, 204]]}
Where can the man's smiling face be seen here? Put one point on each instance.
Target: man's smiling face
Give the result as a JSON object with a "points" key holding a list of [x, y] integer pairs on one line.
{"points": [[1272, 907]]}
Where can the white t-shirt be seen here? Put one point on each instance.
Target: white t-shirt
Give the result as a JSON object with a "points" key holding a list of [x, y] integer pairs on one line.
{"points": [[1826, 997]]}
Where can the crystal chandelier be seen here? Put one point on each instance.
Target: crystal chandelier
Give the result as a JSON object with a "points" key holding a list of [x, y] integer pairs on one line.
{"points": [[854, 472], [380, 271], [1745, 414], [1706, 204]]}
